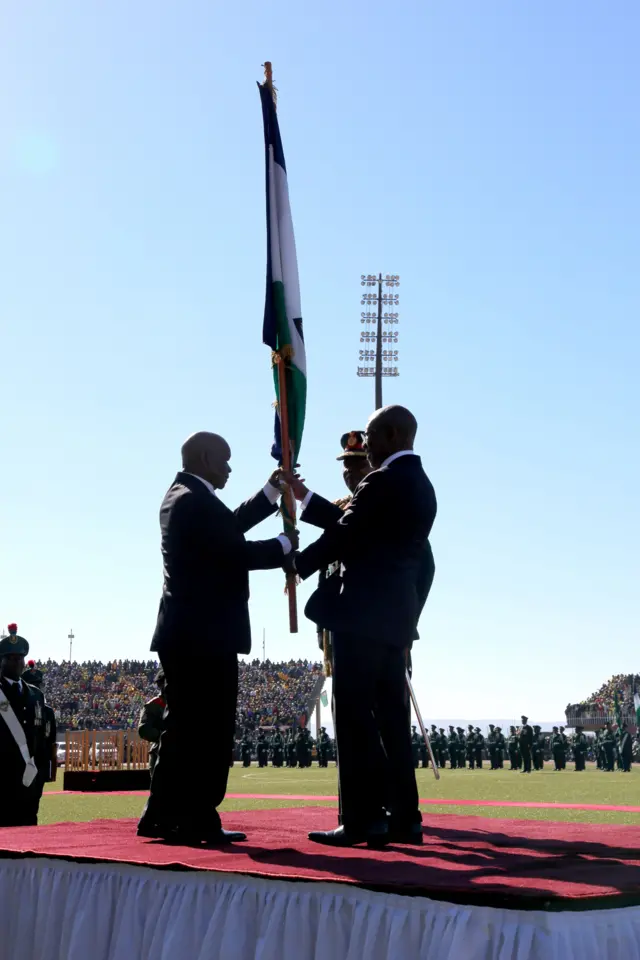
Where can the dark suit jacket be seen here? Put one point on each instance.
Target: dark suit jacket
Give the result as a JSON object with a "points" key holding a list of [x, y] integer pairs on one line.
{"points": [[380, 542], [204, 606], [322, 513]]}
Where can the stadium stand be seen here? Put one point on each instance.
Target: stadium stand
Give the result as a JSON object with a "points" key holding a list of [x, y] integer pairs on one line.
{"points": [[110, 696], [615, 697]]}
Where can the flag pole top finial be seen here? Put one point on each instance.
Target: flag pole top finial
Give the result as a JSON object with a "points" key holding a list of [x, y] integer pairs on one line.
{"points": [[268, 80]]}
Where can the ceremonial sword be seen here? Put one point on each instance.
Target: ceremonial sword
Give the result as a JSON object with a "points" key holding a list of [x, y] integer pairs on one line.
{"points": [[416, 708]]}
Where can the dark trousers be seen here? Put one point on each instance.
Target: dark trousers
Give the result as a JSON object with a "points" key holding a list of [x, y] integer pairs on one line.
{"points": [[525, 753], [19, 804], [580, 761], [190, 776], [375, 763]]}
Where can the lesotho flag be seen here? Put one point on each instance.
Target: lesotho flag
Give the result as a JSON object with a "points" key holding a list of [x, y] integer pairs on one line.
{"points": [[282, 329]]}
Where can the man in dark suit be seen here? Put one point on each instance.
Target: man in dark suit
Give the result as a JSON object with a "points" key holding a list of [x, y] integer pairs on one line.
{"points": [[203, 613], [373, 616]]}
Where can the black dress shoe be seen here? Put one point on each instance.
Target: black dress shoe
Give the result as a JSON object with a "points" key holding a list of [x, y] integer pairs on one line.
{"points": [[375, 837], [338, 837], [209, 838], [155, 831], [411, 835]]}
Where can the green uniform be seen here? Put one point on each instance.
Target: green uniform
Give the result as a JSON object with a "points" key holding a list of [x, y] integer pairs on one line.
{"points": [[415, 748], [277, 749], [557, 749], [453, 745], [470, 748], [245, 751], [262, 750], [479, 748], [500, 746], [462, 747], [580, 747], [608, 743], [514, 750]]}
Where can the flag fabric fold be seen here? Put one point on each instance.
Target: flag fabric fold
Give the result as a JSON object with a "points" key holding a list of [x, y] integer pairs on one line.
{"points": [[636, 703], [282, 328]]}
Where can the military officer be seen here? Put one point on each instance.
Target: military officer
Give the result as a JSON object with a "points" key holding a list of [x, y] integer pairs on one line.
{"points": [[537, 754], [500, 744], [48, 761], [22, 736], [324, 747], [415, 747], [277, 749], [444, 753], [470, 747], [565, 747], [245, 750], [150, 723], [580, 747], [479, 739], [557, 749], [525, 743], [462, 748], [491, 747], [514, 749], [453, 747], [291, 750], [625, 748], [608, 743], [262, 750]]}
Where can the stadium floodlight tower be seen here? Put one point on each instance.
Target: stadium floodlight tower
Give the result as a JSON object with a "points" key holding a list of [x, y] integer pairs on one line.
{"points": [[379, 326]]}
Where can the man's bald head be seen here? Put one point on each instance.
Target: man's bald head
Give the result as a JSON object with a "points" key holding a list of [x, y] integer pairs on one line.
{"points": [[389, 430], [207, 455]]}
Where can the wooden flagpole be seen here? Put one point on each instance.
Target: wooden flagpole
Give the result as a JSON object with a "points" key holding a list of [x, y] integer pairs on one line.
{"points": [[289, 513]]}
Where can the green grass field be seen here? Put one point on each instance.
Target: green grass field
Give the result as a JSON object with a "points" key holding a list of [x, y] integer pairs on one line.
{"points": [[546, 786]]}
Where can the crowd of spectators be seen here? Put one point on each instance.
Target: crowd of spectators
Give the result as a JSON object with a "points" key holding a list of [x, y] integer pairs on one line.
{"points": [[275, 694], [110, 696], [617, 694]]}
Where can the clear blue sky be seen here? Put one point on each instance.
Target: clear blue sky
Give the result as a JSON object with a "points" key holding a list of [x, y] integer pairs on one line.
{"points": [[487, 152]]}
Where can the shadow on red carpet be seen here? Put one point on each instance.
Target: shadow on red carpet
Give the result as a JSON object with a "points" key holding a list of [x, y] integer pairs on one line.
{"points": [[529, 864]]}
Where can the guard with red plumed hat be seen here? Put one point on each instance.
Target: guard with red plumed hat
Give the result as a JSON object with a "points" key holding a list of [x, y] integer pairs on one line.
{"points": [[22, 736]]}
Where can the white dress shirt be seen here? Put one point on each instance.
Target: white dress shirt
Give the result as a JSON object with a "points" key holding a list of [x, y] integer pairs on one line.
{"points": [[18, 682], [394, 456], [270, 492]]}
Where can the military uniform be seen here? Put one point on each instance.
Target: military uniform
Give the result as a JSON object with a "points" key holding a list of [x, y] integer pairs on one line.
{"points": [[443, 752], [291, 750], [514, 749], [453, 747], [245, 751], [22, 734], [608, 744], [580, 747], [525, 744], [462, 748], [500, 744], [324, 748], [151, 720], [470, 747], [479, 747], [277, 749], [491, 747], [262, 750], [47, 761], [625, 748], [557, 749], [415, 747], [537, 754]]}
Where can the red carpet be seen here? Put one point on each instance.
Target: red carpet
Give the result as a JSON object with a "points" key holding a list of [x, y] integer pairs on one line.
{"points": [[464, 859]]}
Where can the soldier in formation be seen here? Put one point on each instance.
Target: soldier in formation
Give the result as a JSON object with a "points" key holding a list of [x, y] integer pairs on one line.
{"points": [[262, 750], [525, 744], [513, 744], [277, 749], [245, 750], [580, 748], [47, 762], [324, 748]]}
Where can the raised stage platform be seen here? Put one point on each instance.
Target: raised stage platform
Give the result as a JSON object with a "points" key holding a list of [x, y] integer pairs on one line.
{"points": [[479, 888]]}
